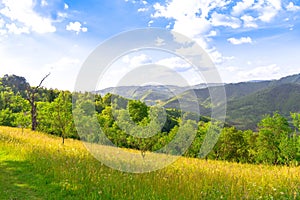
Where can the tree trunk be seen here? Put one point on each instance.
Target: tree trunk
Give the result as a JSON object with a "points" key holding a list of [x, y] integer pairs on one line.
{"points": [[33, 116], [31, 98]]}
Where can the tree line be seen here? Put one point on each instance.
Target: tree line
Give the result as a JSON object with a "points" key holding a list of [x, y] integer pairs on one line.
{"points": [[133, 124]]}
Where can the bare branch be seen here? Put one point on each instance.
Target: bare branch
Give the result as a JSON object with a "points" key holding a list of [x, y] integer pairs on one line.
{"points": [[42, 81], [31, 91]]}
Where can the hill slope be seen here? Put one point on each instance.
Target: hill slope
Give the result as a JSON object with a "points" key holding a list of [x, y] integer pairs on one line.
{"points": [[247, 111], [36, 166], [247, 102]]}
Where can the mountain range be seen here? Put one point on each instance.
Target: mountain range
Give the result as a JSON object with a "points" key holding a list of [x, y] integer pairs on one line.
{"points": [[246, 102]]}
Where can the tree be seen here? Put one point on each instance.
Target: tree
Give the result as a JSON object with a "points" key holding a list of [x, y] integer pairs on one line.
{"points": [[231, 145], [31, 97], [6, 117], [86, 119], [137, 110], [273, 130], [62, 119], [250, 138], [22, 120], [296, 121], [135, 122], [17, 84]]}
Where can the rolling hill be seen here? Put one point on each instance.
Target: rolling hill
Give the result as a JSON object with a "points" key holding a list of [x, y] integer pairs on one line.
{"points": [[247, 102], [247, 111], [37, 166]]}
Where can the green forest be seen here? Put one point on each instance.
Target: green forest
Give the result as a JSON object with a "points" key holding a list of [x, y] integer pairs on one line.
{"points": [[276, 140]]}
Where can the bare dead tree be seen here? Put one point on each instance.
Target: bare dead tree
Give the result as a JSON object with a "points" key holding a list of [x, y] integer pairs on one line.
{"points": [[31, 97]]}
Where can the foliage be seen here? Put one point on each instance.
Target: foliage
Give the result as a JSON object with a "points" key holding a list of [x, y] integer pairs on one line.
{"points": [[273, 132], [133, 124]]}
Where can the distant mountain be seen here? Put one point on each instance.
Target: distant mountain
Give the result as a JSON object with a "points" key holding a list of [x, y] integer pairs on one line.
{"points": [[288, 79], [233, 91], [247, 111], [152, 94], [247, 102]]}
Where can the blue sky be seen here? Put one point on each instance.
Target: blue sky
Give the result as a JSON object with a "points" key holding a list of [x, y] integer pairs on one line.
{"points": [[246, 39]]}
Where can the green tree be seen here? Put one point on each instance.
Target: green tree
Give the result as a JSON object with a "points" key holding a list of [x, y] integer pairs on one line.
{"points": [[137, 110], [296, 121], [232, 146], [44, 118], [22, 120], [85, 116], [250, 138], [16, 83], [141, 133], [273, 130], [6, 117], [61, 117]]}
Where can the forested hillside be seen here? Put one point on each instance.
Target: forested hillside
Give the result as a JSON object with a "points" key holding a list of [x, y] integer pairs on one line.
{"points": [[248, 102], [246, 111], [276, 140]]}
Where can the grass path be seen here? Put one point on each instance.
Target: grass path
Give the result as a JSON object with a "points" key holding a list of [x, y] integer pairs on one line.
{"points": [[36, 166]]}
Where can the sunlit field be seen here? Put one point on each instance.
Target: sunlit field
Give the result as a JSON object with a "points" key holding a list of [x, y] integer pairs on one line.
{"points": [[37, 166]]}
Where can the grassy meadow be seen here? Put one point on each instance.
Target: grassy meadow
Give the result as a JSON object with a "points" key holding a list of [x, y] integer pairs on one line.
{"points": [[37, 166]]}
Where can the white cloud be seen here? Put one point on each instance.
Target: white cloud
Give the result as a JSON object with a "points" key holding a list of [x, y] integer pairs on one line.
{"points": [[137, 60], [218, 58], [292, 7], [260, 72], [249, 21], [159, 42], [267, 10], [66, 6], [44, 3], [212, 34], [276, 4], [143, 9], [23, 12], [175, 63], [242, 40], [59, 69], [241, 6], [63, 64], [77, 27], [176, 9], [203, 20], [225, 20], [195, 28], [12, 28], [268, 14], [191, 18], [232, 69], [2, 22], [150, 23], [2, 31]]}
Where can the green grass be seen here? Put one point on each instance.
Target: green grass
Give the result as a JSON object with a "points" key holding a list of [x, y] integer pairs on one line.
{"points": [[36, 166]]}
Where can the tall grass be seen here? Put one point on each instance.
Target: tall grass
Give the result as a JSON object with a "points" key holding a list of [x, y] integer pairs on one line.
{"points": [[37, 166]]}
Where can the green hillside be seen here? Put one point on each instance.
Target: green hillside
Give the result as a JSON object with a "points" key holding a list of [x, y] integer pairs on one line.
{"points": [[247, 111], [37, 166], [247, 102]]}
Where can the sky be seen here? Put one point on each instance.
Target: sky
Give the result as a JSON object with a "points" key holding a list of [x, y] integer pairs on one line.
{"points": [[246, 39]]}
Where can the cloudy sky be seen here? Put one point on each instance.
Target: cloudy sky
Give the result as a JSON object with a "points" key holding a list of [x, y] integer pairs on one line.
{"points": [[246, 39]]}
